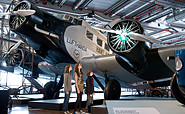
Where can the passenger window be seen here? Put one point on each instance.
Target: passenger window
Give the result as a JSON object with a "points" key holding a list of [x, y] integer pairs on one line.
{"points": [[106, 47], [89, 35], [99, 42]]}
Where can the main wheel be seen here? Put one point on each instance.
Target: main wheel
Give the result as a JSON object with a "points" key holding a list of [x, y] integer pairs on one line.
{"points": [[112, 90], [49, 91], [176, 91]]}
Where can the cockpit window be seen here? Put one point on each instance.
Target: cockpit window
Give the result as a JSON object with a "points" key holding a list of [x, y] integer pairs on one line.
{"points": [[89, 35], [99, 42], [106, 47], [66, 17], [70, 19]]}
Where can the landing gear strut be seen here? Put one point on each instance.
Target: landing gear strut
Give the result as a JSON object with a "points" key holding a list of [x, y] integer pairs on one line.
{"points": [[112, 90]]}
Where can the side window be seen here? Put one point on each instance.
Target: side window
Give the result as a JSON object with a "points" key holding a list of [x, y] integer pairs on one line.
{"points": [[75, 21], [106, 47], [99, 42], [89, 35]]}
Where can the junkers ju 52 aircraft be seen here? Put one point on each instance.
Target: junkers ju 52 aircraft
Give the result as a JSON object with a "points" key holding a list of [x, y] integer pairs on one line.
{"points": [[123, 58]]}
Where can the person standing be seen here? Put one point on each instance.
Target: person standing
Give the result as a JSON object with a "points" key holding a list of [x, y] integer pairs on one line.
{"points": [[89, 90], [79, 83], [67, 88]]}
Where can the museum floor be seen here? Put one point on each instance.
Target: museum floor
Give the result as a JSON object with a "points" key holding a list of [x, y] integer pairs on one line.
{"points": [[24, 109], [155, 105]]}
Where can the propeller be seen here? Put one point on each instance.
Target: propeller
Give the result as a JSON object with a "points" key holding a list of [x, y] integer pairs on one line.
{"points": [[20, 12], [132, 35], [11, 49]]}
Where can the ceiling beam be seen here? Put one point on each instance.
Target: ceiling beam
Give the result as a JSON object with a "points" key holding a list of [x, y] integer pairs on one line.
{"points": [[115, 6], [139, 8], [123, 8]]}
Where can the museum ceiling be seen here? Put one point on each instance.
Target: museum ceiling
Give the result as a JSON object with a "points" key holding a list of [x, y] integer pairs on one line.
{"points": [[161, 19]]}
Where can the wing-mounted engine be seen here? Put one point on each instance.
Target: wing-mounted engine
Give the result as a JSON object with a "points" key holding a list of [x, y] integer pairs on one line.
{"points": [[15, 57], [125, 46], [23, 57]]}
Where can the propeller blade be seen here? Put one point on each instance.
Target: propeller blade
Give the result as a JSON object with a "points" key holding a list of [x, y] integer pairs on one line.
{"points": [[19, 12], [144, 38], [24, 12], [13, 48], [107, 30]]}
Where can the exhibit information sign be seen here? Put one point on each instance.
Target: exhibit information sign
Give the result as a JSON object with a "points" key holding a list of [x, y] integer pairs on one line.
{"points": [[134, 110]]}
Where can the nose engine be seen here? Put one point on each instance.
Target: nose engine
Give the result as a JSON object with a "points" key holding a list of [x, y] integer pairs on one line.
{"points": [[125, 46], [122, 43]]}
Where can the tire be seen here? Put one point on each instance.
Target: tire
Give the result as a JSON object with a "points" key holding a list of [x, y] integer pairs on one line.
{"points": [[176, 91], [49, 94], [112, 90]]}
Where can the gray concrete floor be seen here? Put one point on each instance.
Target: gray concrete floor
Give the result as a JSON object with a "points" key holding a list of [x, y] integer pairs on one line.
{"points": [[162, 105]]}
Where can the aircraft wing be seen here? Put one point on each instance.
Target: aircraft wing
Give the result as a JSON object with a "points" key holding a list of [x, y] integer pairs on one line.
{"points": [[110, 65], [174, 47], [52, 70]]}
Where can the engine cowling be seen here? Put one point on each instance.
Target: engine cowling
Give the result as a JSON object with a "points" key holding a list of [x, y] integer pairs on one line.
{"points": [[123, 45]]}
